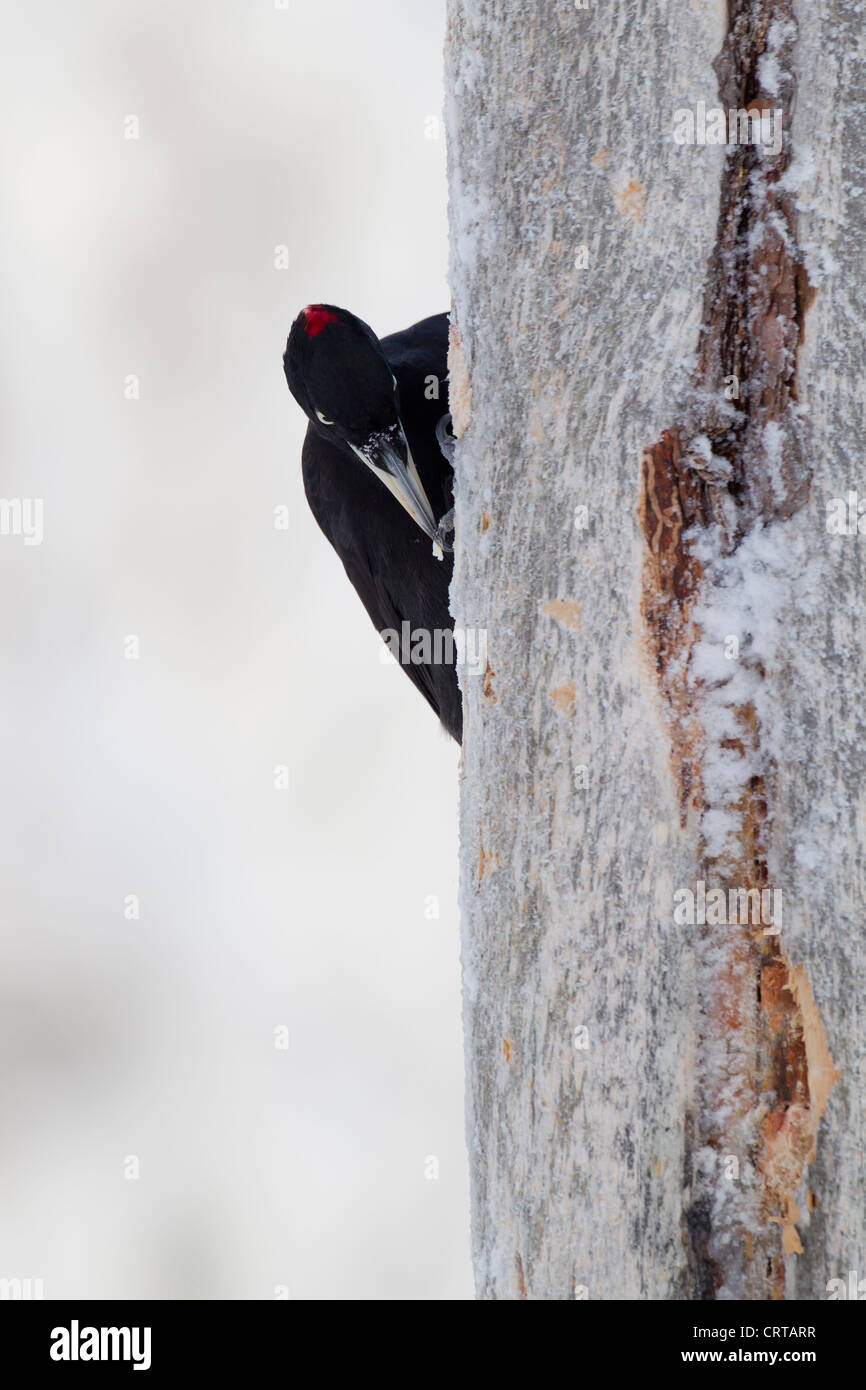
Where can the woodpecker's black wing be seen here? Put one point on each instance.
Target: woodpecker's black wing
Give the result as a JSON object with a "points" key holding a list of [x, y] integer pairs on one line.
{"points": [[388, 559], [387, 617]]}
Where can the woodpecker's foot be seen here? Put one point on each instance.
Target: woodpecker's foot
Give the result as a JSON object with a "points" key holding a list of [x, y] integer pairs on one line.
{"points": [[445, 439]]}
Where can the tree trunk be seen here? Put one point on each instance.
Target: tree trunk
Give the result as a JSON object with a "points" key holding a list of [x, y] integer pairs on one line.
{"points": [[656, 383]]}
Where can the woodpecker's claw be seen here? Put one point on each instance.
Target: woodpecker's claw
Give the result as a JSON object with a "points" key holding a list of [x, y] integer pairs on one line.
{"points": [[445, 439]]}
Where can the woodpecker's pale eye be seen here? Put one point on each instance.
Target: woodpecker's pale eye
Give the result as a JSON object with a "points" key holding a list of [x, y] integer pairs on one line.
{"points": [[320, 416]]}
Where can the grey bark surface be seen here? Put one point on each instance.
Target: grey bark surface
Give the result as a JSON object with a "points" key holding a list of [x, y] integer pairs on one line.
{"points": [[654, 1110]]}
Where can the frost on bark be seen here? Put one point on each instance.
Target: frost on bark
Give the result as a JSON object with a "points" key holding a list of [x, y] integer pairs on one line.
{"points": [[656, 381]]}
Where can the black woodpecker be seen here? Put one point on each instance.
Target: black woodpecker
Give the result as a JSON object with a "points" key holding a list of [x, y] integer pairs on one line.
{"points": [[378, 477]]}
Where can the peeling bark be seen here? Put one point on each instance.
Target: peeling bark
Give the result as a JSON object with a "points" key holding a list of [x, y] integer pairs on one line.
{"points": [[755, 303]]}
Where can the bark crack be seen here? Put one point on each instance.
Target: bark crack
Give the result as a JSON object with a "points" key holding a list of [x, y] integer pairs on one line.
{"points": [[712, 487]]}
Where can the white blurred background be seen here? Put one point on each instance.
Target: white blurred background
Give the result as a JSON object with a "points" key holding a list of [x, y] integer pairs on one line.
{"points": [[312, 127]]}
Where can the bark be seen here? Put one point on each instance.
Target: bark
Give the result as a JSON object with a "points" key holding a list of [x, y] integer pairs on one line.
{"points": [[673, 691]]}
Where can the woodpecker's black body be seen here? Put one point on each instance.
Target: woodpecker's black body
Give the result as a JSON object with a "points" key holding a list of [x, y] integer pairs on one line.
{"points": [[374, 408]]}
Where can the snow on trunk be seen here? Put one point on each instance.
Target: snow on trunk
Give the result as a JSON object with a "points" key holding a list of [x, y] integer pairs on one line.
{"points": [[656, 381]]}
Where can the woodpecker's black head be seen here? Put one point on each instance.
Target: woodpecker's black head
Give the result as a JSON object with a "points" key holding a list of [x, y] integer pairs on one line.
{"points": [[338, 374]]}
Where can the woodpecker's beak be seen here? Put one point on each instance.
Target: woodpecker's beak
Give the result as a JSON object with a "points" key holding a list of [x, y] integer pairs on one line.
{"points": [[388, 456]]}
